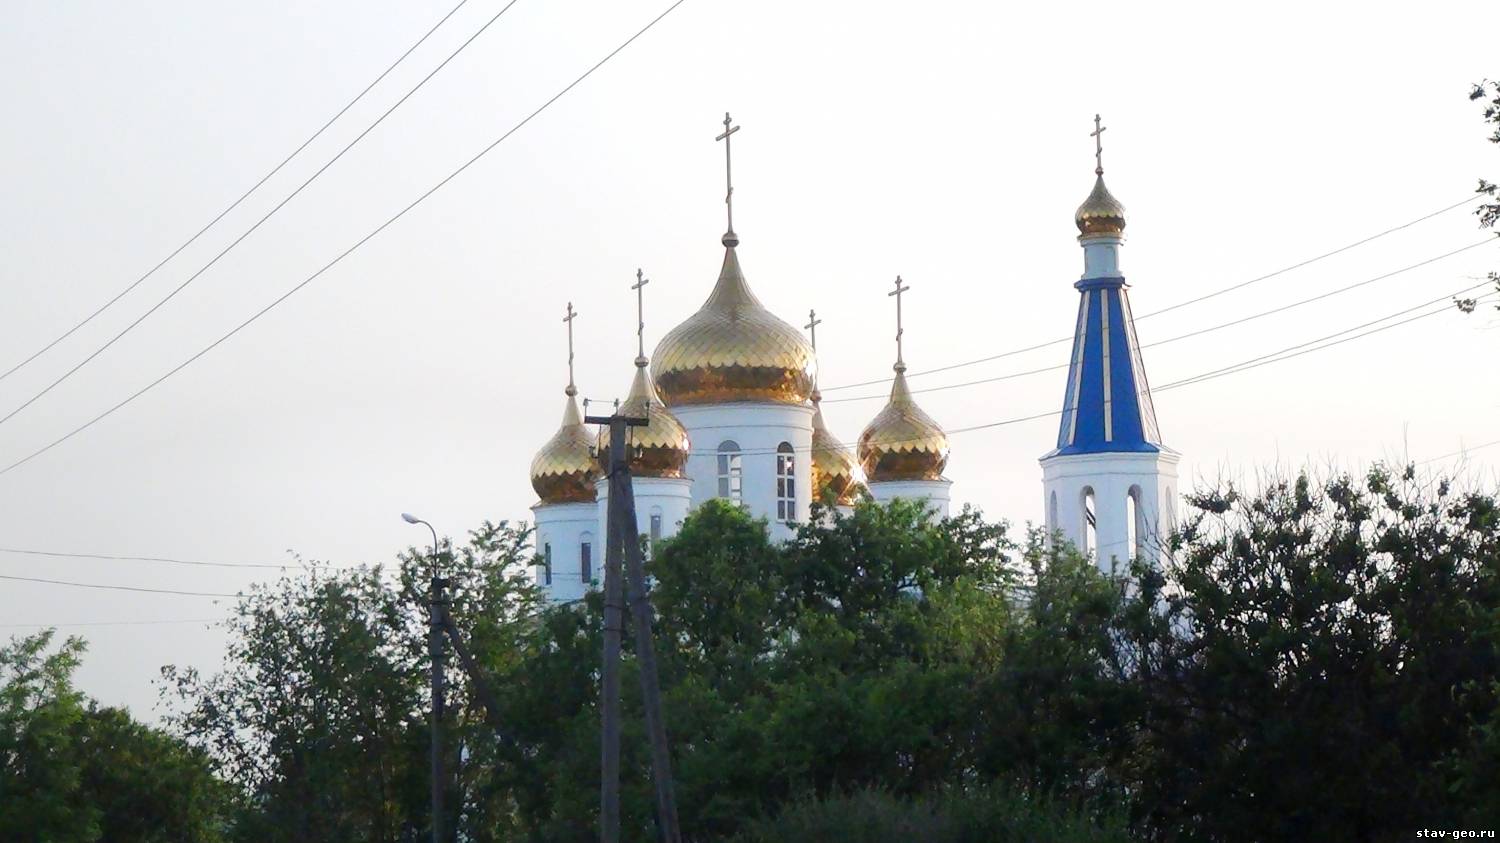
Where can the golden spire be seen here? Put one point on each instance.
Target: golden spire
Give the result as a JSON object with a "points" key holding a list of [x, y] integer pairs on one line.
{"points": [[902, 442], [833, 465], [1101, 213], [660, 447], [733, 349], [564, 471]]}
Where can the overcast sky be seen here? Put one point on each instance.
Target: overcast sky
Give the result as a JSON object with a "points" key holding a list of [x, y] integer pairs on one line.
{"points": [[946, 142]]}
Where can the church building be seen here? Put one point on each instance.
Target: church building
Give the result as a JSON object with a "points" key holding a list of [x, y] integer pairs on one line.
{"points": [[732, 406]]}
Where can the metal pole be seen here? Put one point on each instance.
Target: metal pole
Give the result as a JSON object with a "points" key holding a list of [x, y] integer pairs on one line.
{"points": [[435, 650], [641, 616]]}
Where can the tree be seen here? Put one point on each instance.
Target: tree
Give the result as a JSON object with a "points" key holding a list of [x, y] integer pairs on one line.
{"points": [[1488, 212], [1317, 660], [73, 771]]}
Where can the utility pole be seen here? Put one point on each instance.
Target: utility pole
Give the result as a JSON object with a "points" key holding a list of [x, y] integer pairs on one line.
{"points": [[436, 611], [623, 545]]}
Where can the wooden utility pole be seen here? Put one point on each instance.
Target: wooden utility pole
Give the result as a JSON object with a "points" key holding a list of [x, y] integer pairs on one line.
{"points": [[623, 545]]}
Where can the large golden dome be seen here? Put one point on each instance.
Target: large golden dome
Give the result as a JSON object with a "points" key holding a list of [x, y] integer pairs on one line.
{"points": [[733, 349], [833, 465], [903, 442], [1101, 213], [564, 471], [660, 448]]}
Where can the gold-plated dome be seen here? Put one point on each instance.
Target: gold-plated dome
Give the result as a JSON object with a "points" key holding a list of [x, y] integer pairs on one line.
{"points": [[903, 442], [1101, 213], [833, 465], [733, 349], [660, 448], [564, 471]]}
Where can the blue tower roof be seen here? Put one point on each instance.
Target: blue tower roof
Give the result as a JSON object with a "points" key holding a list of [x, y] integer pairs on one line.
{"points": [[1107, 406]]}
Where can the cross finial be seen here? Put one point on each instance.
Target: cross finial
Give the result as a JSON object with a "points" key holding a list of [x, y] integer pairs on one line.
{"points": [[571, 315], [812, 327], [1097, 135], [901, 287], [640, 317], [730, 238]]}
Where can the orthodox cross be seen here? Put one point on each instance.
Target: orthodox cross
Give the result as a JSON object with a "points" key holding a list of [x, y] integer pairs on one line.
{"points": [[1098, 146], [572, 314], [812, 326], [900, 288], [728, 181], [640, 316]]}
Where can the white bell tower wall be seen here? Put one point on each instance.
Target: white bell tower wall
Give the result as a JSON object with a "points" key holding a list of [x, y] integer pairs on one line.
{"points": [[773, 443], [562, 530], [1133, 497]]}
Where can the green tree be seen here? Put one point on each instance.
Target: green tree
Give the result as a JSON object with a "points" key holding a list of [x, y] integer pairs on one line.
{"points": [[1316, 661], [73, 771], [1488, 212]]}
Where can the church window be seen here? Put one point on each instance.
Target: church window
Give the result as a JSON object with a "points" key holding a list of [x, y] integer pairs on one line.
{"points": [[1135, 534], [731, 470], [547, 563], [786, 483], [655, 526], [1090, 543], [586, 559]]}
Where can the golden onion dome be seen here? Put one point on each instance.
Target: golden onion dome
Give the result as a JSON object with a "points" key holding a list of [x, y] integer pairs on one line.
{"points": [[1101, 213], [903, 442], [658, 449], [733, 349], [564, 471], [833, 465]]}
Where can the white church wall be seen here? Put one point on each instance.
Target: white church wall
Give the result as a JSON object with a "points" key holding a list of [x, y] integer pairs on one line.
{"points": [[936, 493], [758, 430], [1134, 498], [562, 530]]}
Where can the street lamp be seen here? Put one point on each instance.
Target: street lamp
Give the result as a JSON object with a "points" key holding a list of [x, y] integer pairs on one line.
{"points": [[435, 650]]}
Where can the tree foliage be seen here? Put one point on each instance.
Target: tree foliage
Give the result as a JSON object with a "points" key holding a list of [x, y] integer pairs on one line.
{"points": [[74, 772], [1488, 93]]}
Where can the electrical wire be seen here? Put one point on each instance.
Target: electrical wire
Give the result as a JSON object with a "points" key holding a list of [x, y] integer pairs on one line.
{"points": [[378, 229], [1201, 331], [236, 203], [118, 587], [1460, 452], [1169, 308], [171, 561], [258, 223]]}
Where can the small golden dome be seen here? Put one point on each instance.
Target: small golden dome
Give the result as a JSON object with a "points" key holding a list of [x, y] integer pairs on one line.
{"points": [[660, 448], [1101, 213], [833, 465], [903, 442], [733, 349], [564, 471]]}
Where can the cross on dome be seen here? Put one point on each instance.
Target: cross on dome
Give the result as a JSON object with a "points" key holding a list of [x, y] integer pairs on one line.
{"points": [[901, 287], [640, 316], [571, 315], [812, 327], [730, 238]]}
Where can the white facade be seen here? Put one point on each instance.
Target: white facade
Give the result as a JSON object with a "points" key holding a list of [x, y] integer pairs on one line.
{"points": [[660, 505], [1133, 498], [570, 546], [936, 493], [746, 451]]}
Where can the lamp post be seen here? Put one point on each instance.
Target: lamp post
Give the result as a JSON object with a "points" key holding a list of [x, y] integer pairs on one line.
{"points": [[435, 650]]}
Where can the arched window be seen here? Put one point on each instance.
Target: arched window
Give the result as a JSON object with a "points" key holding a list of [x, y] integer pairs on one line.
{"points": [[786, 483], [1052, 516], [1135, 532], [547, 563], [586, 558], [1090, 537], [731, 470], [655, 524]]}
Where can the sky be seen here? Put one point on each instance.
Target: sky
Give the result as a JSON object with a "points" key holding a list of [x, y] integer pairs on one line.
{"points": [[947, 142]]}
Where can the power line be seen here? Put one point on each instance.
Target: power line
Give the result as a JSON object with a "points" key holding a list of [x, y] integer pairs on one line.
{"points": [[1461, 452], [258, 223], [1244, 365], [289, 293], [171, 561], [118, 587], [236, 203], [108, 623], [1172, 307], [1199, 332]]}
